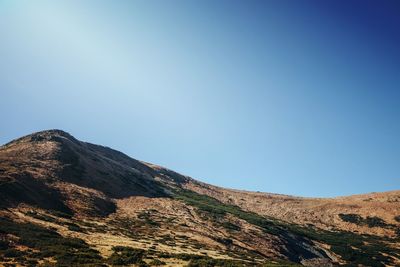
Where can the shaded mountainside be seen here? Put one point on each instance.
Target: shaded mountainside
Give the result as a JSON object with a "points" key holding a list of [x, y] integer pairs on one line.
{"points": [[66, 202]]}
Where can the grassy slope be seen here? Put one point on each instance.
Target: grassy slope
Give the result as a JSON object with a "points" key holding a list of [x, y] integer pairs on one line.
{"points": [[353, 248], [29, 244], [47, 243]]}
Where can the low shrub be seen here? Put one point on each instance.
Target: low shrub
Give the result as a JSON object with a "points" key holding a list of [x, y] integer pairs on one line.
{"points": [[42, 217], [74, 227], [230, 226], [126, 255], [368, 221], [156, 262], [210, 262], [146, 216], [4, 244], [66, 251], [351, 218], [61, 214]]}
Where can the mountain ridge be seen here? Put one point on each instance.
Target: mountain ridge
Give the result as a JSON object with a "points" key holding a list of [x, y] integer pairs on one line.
{"points": [[51, 172]]}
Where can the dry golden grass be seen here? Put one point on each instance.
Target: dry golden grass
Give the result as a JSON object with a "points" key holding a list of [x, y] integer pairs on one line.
{"points": [[320, 212], [119, 201]]}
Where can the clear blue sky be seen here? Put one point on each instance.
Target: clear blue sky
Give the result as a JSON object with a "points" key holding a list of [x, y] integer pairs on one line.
{"points": [[294, 97]]}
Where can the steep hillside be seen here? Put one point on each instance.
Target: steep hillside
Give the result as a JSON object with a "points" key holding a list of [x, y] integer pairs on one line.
{"points": [[65, 202]]}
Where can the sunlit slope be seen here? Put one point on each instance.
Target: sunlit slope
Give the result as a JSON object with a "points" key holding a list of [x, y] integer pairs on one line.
{"points": [[67, 202]]}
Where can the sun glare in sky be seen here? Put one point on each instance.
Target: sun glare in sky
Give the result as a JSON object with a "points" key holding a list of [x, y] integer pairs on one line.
{"points": [[294, 97]]}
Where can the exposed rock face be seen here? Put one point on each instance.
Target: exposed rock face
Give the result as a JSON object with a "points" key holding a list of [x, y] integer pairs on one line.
{"points": [[105, 199]]}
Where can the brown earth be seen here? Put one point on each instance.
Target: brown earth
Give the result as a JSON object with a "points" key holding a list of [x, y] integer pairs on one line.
{"points": [[87, 193]]}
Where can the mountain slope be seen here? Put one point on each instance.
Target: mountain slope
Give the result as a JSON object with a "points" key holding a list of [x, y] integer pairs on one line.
{"points": [[103, 207]]}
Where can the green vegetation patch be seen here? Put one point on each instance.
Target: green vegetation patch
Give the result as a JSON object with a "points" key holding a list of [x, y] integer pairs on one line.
{"points": [[74, 227], [370, 221], [365, 250], [230, 226], [196, 260], [126, 255], [210, 262], [203, 260], [217, 210], [61, 214], [66, 251], [157, 262], [147, 218]]}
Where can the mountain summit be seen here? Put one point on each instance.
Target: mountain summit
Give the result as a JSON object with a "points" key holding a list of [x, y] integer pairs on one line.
{"points": [[64, 202]]}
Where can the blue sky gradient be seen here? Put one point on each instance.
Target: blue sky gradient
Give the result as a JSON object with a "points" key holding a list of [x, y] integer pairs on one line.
{"points": [[293, 97]]}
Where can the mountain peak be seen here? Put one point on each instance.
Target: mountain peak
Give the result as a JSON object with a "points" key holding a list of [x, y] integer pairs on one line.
{"points": [[46, 135], [50, 134], [51, 177]]}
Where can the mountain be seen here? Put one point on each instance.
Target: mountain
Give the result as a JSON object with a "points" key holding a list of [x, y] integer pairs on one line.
{"points": [[64, 202]]}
